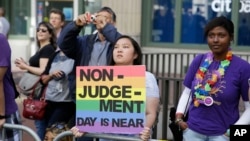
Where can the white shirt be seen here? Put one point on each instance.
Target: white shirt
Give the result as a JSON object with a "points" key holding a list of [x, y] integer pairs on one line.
{"points": [[4, 26], [152, 89]]}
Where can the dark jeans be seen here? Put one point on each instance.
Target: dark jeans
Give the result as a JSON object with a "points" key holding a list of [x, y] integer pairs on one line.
{"points": [[84, 139], [40, 128], [59, 112]]}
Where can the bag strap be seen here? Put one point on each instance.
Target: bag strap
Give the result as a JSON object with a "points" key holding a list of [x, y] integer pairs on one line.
{"points": [[186, 108], [17, 94], [44, 88], [43, 93]]}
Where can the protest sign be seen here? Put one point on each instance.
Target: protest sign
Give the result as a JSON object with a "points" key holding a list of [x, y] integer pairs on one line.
{"points": [[110, 99]]}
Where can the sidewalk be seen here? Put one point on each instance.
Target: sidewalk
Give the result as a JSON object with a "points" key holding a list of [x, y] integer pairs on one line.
{"points": [[26, 122]]}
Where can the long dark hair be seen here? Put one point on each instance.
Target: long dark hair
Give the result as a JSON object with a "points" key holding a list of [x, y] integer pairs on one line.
{"points": [[138, 60], [51, 31]]}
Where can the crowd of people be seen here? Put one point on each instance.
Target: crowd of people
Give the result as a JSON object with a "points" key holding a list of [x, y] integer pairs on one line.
{"points": [[216, 80]]}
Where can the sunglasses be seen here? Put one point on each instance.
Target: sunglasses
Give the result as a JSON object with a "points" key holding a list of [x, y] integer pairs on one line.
{"points": [[58, 126], [40, 29]]}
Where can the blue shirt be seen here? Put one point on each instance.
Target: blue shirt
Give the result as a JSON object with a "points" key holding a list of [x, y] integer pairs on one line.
{"points": [[99, 53]]}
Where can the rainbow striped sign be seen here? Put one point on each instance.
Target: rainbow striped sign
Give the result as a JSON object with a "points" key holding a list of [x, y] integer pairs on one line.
{"points": [[110, 99]]}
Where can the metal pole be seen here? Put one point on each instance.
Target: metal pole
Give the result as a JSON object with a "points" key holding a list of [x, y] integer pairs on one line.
{"points": [[75, 8], [22, 127], [99, 135]]}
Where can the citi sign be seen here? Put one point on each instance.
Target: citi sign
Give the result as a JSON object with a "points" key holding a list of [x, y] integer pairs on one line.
{"points": [[224, 6]]}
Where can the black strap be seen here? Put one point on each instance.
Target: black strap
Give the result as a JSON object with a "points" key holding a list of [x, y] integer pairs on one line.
{"points": [[17, 94], [186, 108]]}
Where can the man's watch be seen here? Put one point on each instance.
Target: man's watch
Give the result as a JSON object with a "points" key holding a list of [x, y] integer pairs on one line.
{"points": [[2, 117]]}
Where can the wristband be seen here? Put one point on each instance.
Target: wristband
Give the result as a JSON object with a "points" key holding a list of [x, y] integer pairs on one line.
{"points": [[2, 117], [178, 120], [228, 132]]}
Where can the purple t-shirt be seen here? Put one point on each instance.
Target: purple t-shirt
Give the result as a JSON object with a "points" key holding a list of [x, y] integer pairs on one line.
{"points": [[9, 93], [216, 119]]}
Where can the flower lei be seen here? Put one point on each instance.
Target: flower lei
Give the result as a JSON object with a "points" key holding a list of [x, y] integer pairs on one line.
{"points": [[202, 92]]}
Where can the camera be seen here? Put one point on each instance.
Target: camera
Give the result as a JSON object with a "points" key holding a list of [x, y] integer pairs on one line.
{"points": [[93, 17], [90, 18]]}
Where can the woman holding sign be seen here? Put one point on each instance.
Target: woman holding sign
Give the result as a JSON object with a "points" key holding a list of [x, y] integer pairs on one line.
{"points": [[128, 52]]}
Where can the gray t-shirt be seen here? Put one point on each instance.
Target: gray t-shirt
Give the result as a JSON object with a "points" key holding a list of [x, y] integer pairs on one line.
{"points": [[4, 26], [58, 90]]}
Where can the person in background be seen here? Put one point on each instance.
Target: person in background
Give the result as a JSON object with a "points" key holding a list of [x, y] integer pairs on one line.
{"points": [[60, 106], [55, 130], [57, 20], [46, 42], [89, 50], [127, 51], [8, 107], [216, 80], [4, 23]]}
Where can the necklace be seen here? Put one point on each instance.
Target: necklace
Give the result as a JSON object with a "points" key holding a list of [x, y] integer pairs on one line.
{"points": [[203, 93]]}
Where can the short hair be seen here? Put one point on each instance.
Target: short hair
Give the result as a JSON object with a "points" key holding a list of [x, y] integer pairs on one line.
{"points": [[110, 11], [2, 11], [59, 12], [137, 48], [220, 21]]}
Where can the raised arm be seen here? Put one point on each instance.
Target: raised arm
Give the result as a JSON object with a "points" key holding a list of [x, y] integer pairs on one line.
{"points": [[68, 39]]}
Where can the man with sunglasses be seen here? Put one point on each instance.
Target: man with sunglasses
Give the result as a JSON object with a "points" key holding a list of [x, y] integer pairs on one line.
{"points": [[89, 50]]}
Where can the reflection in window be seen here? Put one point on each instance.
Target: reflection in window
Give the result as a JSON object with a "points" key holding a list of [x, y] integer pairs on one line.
{"points": [[163, 21], [244, 23], [243, 32], [196, 14], [192, 25], [19, 17]]}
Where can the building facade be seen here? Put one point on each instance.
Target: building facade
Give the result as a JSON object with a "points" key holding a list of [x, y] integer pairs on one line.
{"points": [[160, 26]]}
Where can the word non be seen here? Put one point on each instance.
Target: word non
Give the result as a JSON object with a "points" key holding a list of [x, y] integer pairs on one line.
{"points": [[97, 75]]}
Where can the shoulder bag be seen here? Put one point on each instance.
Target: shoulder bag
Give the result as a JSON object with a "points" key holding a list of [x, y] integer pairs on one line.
{"points": [[34, 108], [30, 83], [175, 129]]}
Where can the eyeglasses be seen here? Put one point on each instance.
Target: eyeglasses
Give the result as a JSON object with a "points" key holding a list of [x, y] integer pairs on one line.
{"points": [[40, 29], [58, 126]]}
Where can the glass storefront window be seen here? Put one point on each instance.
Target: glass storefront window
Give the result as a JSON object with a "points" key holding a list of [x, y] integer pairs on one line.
{"points": [[195, 15], [20, 13], [163, 21], [244, 23], [43, 8]]}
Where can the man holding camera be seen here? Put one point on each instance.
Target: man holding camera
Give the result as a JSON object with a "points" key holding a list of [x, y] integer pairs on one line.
{"points": [[89, 50]]}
